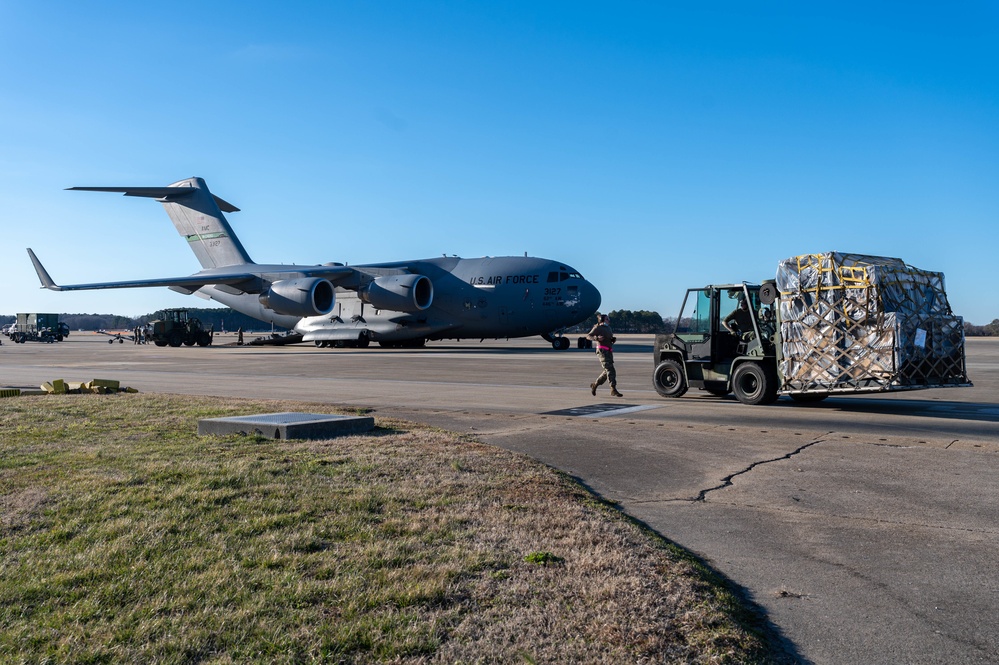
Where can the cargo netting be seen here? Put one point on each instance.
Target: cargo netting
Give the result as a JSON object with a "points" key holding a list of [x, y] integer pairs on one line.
{"points": [[851, 322]]}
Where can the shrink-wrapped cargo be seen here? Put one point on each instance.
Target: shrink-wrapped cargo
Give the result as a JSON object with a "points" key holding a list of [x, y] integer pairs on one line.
{"points": [[852, 322]]}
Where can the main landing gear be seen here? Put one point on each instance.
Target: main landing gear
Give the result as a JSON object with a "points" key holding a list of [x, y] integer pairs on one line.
{"points": [[362, 342]]}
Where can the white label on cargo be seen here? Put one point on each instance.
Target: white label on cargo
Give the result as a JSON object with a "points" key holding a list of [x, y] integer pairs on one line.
{"points": [[920, 338]]}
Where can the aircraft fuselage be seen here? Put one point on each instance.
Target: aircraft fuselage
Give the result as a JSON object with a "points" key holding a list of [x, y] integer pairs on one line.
{"points": [[491, 297]]}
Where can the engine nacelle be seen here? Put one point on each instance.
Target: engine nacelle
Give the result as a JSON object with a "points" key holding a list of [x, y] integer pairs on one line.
{"points": [[310, 296], [399, 293]]}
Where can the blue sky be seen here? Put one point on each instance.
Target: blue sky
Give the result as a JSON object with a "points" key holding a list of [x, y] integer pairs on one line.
{"points": [[653, 146]]}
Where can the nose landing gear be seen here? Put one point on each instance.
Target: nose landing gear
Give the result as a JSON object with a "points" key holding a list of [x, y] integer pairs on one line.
{"points": [[558, 341]]}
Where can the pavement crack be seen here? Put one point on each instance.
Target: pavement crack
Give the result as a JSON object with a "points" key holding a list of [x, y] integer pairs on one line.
{"points": [[727, 480]]}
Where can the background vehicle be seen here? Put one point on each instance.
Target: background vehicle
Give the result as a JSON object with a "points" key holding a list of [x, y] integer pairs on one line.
{"points": [[830, 323], [176, 328], [37, 328]]}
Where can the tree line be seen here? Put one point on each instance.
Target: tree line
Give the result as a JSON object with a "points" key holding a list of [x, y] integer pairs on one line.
{"points": [[628, 321], [988, 330]]}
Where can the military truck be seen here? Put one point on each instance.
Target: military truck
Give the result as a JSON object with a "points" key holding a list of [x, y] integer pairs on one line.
{"points": [[830, 323], [176, 328], [37, 328]]}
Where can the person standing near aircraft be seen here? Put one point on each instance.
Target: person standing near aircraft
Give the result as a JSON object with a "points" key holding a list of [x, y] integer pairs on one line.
{"points": [[601, 334]]}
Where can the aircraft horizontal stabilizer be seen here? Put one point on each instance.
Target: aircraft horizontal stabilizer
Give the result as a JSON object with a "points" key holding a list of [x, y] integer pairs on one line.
{"points": [[156, 193]]}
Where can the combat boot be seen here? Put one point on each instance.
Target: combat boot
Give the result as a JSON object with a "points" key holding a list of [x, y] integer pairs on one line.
{"points": [[615, 393]]}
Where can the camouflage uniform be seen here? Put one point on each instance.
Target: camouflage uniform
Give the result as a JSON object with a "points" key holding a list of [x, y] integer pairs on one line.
{"points": [[603, 336]]}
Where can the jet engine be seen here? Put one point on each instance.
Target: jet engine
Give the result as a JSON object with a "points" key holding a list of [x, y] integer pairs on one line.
{"points": [[399, 293], [311, 296]]}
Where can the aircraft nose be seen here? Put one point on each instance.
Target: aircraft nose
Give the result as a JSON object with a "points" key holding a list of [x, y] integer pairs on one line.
{"points": [[589, 297]]}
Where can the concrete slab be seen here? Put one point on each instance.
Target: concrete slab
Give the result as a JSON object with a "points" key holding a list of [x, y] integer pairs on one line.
{"points": [[601, 410], [289, 425]]}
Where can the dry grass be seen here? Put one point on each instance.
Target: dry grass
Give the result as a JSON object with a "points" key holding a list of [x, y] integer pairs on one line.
{"points": [[126, 538]]}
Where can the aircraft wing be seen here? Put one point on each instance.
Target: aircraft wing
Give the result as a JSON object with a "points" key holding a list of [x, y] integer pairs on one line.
{"points": [[240, 281]]}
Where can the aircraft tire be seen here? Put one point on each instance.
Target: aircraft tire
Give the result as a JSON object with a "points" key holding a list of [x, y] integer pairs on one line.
{"points": [[364, 340], [669, 380], [754, 384]]}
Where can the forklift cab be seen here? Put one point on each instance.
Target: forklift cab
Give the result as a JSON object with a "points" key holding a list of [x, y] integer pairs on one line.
{"points": [[718, 323], [719, 328]]}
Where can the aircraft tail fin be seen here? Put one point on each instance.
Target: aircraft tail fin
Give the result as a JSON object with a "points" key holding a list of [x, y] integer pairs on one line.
{"points": [[197, 215]]}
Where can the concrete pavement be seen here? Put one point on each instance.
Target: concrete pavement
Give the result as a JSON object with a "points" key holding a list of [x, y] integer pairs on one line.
{"points": [[866, 528]]}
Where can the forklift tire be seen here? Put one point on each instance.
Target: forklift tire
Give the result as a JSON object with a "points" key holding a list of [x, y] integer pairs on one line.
{"points": [[669, 379], [754, 384], [176, 338], [204, 339]]}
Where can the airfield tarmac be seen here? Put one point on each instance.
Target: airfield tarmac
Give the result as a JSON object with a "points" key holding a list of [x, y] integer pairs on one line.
{"points": [[866, 528]]}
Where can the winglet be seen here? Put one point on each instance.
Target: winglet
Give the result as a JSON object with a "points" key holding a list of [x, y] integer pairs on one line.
{"points": [[43, 274]]}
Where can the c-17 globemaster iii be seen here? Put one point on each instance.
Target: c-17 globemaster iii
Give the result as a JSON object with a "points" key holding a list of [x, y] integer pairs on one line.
{"points": [[402, 303]]}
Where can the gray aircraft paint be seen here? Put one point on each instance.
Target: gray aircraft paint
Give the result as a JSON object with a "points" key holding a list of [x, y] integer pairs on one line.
{"points": [[490, 297]]}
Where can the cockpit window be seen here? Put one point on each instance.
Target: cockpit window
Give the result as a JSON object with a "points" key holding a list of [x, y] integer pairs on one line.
{"points": [[563, 275]]}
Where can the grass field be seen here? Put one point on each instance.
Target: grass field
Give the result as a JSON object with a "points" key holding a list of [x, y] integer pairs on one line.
{"points": [[125, 537]]}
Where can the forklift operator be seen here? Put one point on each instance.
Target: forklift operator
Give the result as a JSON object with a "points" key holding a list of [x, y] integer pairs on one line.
{"points": [[740, 320]]}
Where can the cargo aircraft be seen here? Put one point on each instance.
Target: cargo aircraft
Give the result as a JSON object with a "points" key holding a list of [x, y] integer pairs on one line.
{"points": [[404, 303]]}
